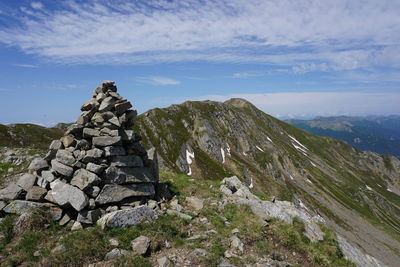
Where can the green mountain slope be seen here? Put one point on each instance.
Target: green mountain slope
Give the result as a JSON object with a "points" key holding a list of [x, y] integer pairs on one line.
{"points": [[379, 134], [357, 192], [23, 135]]}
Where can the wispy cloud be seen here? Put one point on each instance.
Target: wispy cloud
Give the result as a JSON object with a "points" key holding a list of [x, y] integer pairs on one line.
{"points": [[302, 35], [157, 80], [25, 65]]}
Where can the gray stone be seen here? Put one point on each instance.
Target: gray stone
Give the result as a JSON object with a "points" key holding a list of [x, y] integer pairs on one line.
{"points": [[122, 107], [92, 103], [89, 216], [92, 155], [115, 121], [152, 159], [92, 204], [21, 206], [36, 193], [84, 179], [65, 157], [65, 194], [112, 193], [123, 175], [51, 154], [140, 245], [93, 191], [113, 242], [107, 104], [164, 262], [89, 132], [127, 161], [61, 168], [43, 183], [116, 253], [2, 205], [95, 168], [26, 181], [76, 226], [179, 214], [48, 176], [38, 164], [127, 217], [114, 151], [56, 145], [64, 220], [106, 141], [82, 144], [194, 203], [68, 140], [236, 245], [74, 129], [11, 192]]}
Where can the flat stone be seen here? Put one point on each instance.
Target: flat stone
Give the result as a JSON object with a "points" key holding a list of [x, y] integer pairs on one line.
{"points": [[65, 157], [36, 193], [114, 151], [122, 107], [76, 226], [106, 141], [21, 206], [115, 121], [65, 194], [74, 129], [95, 168], [68, 140], [38, 164], [84, 179], [89, 132], [140, 245], [61, 168], [127, 217], [26, 181], [43, 183], [64, 220], [116, 253], [89, 216], [112, 193], [11, 192], [123, 175], [127, 161], [107, 104], [92, 103], [48, 176], [56, 145], [92, 155]]}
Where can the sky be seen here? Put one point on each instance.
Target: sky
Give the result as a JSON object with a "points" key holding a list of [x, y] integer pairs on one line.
{"points": [[292, 59]]}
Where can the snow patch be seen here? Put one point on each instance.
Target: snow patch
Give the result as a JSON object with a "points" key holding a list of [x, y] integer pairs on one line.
{"points": [[189, 160], [244, 153], [291, 177], [251, 182], [368, 188], [388, 189], [269, 139], [223, 155], [309, 181], [312, 163], [302, 148], [259, 148], [302, 205], [228, 150]]}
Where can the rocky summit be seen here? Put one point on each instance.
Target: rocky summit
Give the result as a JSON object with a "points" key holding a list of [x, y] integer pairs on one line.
{"points": [[98, 166]]}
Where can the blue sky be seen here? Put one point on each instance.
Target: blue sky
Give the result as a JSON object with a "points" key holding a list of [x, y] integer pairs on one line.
{"points": [[289, 58]]}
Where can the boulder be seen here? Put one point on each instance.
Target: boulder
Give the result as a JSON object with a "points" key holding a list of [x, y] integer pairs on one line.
{"points": [[127, 217], [106, 141], [61, 168], [140, 245], [89, 132], [84, 179], [38, 164], [114, 151], [122, 107], [127, 161], [65, 157], [11, 192], [36, 193], [26, 181], [21, 206], [112, 193], [121, 175], [65, 194]]}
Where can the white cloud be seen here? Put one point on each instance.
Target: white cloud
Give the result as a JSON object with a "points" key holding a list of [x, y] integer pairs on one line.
{"points": [[36, 5], [157, 80], [25, 65], [304, 35]]}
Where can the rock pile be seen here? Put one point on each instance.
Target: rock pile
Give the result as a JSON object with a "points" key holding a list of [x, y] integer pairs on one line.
{"points": [[98, 166]]}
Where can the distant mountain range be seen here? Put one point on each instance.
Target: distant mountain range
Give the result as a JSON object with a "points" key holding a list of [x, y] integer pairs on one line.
{"points": [[379, 134]]}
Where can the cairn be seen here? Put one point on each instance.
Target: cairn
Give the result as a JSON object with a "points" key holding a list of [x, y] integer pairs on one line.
{"points": [[98, 166]]}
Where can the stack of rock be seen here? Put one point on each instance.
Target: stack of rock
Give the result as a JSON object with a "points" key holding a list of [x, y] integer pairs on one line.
{"points": [[98, 166]]}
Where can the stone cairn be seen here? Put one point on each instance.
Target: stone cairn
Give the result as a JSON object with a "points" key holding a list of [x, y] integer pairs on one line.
{"points": [[98, 166]]}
